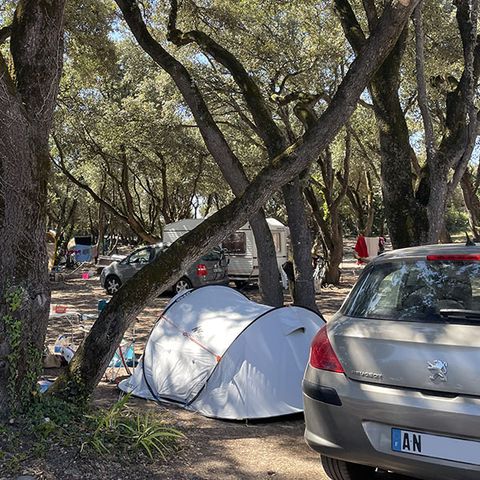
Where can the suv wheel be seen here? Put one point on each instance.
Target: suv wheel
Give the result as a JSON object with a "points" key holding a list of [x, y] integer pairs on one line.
{"points": [[112, 284], [341, 470], [183, 284]]}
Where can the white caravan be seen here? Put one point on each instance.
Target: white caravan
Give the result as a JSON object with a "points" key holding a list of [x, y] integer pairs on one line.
{"points": [[240, 247]]}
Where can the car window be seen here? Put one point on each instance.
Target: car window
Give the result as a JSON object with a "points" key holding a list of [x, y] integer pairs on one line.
{"points": [[140, 256], [415, 290], [213, 256]]}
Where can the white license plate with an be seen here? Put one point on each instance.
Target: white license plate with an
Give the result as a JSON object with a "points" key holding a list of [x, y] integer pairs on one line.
{"points": [[436, 446]]}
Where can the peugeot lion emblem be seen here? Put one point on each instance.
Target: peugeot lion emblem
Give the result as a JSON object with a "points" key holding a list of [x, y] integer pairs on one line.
{"points": [[438, 370]]}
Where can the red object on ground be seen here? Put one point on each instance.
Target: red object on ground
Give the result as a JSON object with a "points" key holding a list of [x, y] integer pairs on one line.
{"points": [[361, 247]]}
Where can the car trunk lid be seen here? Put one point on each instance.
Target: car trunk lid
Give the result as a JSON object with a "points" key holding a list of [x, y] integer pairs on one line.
{"points": [[440, 357]]}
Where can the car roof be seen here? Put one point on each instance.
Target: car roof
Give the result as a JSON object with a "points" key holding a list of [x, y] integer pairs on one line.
{"points": [[421, 252]]}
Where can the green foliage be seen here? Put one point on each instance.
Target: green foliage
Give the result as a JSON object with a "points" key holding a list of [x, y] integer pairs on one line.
{"points": [[457, 221]]}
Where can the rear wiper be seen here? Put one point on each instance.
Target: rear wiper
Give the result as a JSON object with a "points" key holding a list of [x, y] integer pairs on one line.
{"points": [[459, 313]]}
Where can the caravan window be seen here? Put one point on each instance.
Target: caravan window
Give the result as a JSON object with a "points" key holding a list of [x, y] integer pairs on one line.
{"points": [[236, 243], [277, 240]]}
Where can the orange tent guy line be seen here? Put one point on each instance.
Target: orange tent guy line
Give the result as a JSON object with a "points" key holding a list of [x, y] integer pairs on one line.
{"points": [[193, 339]]}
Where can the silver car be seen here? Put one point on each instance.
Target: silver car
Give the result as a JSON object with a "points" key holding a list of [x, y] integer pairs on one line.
{"points": [[393, 381], [209, 269]]}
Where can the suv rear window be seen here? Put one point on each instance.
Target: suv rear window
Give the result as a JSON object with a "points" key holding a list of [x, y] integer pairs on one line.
{"points": [[416, 290]]}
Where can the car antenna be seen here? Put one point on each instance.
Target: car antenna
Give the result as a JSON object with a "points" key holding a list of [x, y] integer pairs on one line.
{"points": [[470, 242]]}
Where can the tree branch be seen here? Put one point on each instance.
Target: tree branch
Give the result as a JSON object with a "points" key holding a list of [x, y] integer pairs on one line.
{"points": [[269, 131], [351, 27], [371, 12], [213, 137], [60, 164], [421, 83]]}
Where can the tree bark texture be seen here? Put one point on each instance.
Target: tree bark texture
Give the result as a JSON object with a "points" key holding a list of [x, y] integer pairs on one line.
{"points": [[26, 109], [472, 202], [269, 274], [94, 354], [301, 242], [405, 218]]}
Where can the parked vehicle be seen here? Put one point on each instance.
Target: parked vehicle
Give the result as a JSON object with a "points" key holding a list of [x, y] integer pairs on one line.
{"points": [[392, 380], [240, 247], [209, 269]]}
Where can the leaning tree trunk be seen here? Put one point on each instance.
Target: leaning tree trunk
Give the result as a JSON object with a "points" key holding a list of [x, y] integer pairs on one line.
{"points": [[301, 241], [27, 101]]}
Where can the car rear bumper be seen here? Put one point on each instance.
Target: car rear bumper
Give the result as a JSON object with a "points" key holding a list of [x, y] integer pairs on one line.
{"points": [[353, 421]]}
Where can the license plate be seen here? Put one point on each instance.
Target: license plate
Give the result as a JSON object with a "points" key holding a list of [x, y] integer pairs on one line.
{"points": [[436, 446]]}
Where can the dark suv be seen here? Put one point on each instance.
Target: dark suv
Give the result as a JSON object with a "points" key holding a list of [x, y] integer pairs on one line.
{"points": [[209, 269]]}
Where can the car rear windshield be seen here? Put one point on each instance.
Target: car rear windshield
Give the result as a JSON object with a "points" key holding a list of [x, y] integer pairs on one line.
{"points": [[213, 256], [417, 290]]}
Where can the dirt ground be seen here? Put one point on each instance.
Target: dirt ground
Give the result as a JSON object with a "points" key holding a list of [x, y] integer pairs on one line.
{"points": [[213, 449]]}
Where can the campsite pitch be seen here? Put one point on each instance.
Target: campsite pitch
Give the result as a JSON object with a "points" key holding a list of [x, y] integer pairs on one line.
{"points": [[213, 449]]}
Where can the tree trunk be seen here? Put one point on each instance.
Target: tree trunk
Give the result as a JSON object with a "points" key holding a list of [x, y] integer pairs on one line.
{"points": [[24, 286], [269, 274], [406, 223], [335, 257], [304, 291], [437, 205], [26, 110], [101, 230], [472, 203], [332, 237]]}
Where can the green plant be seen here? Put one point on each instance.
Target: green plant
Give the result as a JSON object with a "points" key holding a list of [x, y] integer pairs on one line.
{"points": [[148, 433], [119, 427]]}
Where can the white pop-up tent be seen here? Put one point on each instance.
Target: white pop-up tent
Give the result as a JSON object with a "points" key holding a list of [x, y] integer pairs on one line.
{"points": [[216, 352]]}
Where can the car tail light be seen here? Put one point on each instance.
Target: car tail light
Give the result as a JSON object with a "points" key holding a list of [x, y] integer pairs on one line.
{"points": [[322, 355], [202, 270], [458, 258]]}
